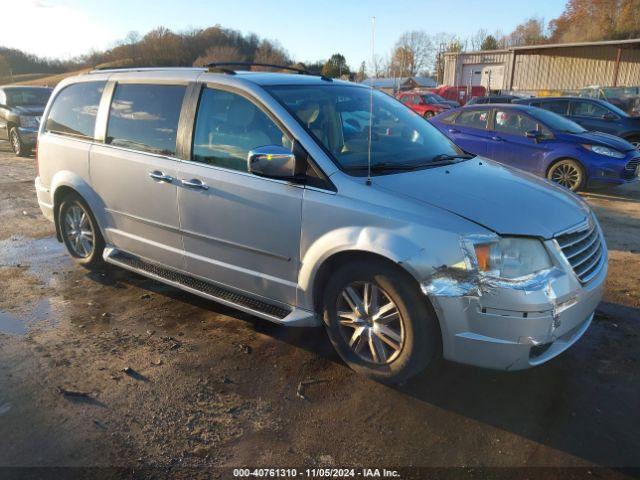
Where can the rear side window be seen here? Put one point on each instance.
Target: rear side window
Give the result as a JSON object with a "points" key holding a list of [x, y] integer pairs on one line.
{"points": [[74, 110], [448, 117], [559, 107], [473, 118], [145, 117]]}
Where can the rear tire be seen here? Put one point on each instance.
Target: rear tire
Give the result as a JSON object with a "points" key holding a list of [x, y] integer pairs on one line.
{"points": [[568, 173], [80, 232], [17, 145], [390, 333], [428, 115]]}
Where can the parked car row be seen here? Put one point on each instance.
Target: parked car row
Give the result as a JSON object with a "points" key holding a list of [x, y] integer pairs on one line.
{"points": [[308, 201], [20, 111], [592, 114]]}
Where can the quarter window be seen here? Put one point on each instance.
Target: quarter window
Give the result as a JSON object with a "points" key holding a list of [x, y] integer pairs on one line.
{"points": [[559, 107], [74, 110], [145, 117], [228, 127], [473, 118]]}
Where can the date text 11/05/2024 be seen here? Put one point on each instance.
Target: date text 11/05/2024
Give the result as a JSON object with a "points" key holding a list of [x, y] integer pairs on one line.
{"points": [[315, 473]]}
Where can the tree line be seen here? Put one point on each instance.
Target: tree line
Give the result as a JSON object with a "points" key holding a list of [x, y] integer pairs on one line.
{"points": [[415, 53]]}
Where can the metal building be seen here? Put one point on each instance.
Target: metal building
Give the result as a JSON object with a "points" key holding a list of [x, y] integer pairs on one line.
{"points": [[554, 67]]}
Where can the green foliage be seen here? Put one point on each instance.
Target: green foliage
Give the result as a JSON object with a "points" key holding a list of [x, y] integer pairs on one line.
{"points": [[489, 43], [336, 66]]}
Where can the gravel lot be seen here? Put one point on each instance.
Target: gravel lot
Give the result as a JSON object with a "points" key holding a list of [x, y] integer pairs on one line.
{"points": [[212, 387]]}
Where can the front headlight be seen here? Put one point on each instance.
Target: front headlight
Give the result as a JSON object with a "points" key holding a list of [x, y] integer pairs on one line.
{"points": [[511, 257], [29, 122], [606, 151]]}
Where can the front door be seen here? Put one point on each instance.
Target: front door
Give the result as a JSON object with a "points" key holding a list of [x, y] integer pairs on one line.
{"points": [[511, 146], [593, 117], [134, 172], [239, 229]]}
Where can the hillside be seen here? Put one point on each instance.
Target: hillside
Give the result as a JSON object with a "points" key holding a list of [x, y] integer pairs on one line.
{"points": [[48, 79]]}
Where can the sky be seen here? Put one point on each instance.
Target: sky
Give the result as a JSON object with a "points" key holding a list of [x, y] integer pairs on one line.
{"points": [[308, 29]]}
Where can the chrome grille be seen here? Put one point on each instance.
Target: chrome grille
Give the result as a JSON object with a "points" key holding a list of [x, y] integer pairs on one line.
{"points": [[583, 250], [632, 165]]}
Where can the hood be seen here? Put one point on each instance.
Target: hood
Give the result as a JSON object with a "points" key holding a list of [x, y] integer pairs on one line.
{"points": [[507, 201], [598, 138], [29, 109]]}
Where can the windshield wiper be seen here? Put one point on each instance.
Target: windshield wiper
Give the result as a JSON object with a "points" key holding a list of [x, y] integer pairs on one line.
{"points": [[438, 160], [445, 159], [381, 167]]}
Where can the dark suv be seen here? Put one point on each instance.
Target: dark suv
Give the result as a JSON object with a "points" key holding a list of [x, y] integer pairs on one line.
{"points": [[492, 99], [20, 111], [592, 114]]}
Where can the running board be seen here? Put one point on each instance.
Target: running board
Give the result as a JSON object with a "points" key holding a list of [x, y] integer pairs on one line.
{"points": [[283, 315]]}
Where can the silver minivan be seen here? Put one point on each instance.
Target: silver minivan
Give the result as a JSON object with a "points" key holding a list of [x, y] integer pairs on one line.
{"points": [[308, 201]]}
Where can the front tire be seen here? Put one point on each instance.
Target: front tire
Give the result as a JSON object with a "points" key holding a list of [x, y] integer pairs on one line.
{"points": [[379, 322], [80, 232], [568, 173], [428, 115], [17, 145]]}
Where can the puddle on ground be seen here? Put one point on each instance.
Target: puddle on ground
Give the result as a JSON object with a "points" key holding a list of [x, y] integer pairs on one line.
{"points": [[44, 315], [42, 256]]}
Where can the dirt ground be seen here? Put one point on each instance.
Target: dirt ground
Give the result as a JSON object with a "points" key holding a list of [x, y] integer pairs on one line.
{"points": [[209, 387]]}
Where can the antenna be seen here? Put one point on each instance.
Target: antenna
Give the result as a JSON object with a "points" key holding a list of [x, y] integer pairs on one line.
{"points": [[375, 74]]}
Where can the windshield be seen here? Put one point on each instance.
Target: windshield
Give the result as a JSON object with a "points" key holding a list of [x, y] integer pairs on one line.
{"points": [[27, 96], [338, 117], [434, 98], [556, 122], [617, 110]]}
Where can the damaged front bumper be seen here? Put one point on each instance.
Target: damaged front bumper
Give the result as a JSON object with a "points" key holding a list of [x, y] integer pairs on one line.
{"points": [[513, 325]]}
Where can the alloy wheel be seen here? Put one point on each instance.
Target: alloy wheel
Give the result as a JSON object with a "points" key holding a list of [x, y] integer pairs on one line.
{"points": [[567, 175], [78, 231], [370, 322], [16, 144]]}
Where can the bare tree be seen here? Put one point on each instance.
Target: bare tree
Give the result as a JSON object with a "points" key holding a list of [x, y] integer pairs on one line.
{"points": [[418, 48], [219, 53], [477, 39], [530, 32], [378, 66], [271, 52]]}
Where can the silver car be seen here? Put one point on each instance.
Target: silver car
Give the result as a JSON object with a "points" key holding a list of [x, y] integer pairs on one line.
{"points": [[308, 201]]}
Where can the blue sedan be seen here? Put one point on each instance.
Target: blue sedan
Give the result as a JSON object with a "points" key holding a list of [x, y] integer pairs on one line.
{"points": [[543, 143]]}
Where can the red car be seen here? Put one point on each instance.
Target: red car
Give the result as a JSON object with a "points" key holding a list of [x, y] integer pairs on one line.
{"points": [[426, 104], [459, 94]]}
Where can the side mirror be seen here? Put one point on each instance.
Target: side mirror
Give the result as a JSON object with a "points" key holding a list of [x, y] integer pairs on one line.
{"points": [[535, 134], [609, 116], [272, 161]]}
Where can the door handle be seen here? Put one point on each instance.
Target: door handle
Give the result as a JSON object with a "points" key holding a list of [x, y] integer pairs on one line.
{"points": [[160, 176], [453, 130], [195, 183], [496, 138]]}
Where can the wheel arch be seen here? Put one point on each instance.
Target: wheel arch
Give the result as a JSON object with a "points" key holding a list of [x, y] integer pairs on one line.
{"points": [[335, 260], [65, 183], [629, 135]]}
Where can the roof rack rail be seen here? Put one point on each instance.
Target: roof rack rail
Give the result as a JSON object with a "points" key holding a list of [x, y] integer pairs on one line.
{"points": [[221, 67], [140, 69]]}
